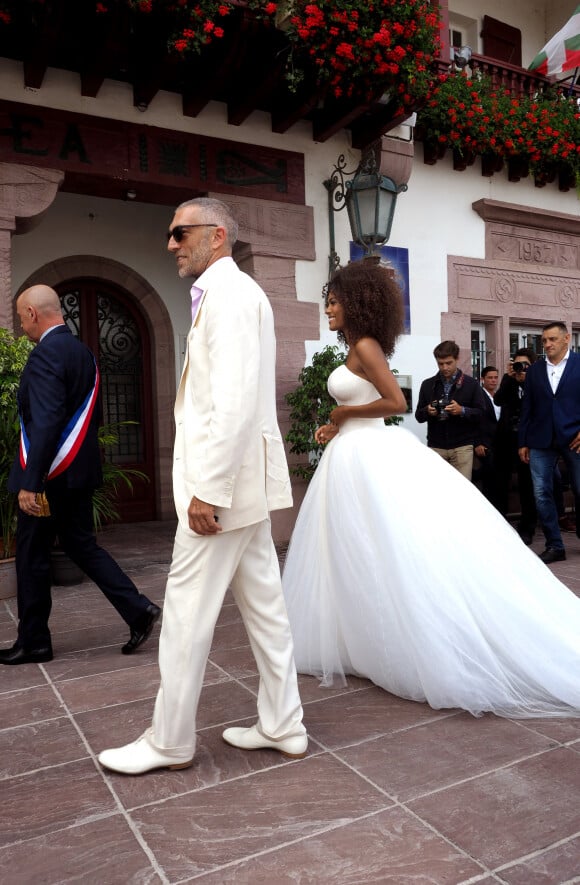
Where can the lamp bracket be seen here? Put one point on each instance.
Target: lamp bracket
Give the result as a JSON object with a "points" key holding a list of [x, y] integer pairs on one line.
{"points": [[336, 190], [336, 184]]}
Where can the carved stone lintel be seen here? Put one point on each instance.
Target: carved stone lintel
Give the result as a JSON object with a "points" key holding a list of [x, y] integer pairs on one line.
{"points": [[26, 192]]}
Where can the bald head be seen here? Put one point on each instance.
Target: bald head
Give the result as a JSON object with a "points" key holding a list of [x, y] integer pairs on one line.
{"points": [[38, 309]]}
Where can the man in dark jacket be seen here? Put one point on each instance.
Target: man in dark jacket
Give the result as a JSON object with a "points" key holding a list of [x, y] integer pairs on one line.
{"points": [[57, 469], [484, 469], [509, 396], [452, 404], [550, 429]]}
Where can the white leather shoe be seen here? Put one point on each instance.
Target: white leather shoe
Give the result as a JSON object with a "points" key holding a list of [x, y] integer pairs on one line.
{"points": [[251, 739], [139, 757]]}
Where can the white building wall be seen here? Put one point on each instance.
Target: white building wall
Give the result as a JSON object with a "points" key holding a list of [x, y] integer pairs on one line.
{"points": [[537, 20], [433, 219]]}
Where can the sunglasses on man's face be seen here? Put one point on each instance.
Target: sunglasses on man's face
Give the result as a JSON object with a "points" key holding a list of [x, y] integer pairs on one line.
{"points": [[178, 232]]}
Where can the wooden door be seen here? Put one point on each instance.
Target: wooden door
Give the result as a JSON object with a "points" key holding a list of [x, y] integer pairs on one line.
{"points": [[105, 318]]}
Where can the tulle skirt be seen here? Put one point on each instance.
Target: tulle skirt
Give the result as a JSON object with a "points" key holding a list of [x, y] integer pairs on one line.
{"points": [[400, 571]]}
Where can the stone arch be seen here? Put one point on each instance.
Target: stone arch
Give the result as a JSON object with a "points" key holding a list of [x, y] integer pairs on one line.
{"points": [[158, 321]]}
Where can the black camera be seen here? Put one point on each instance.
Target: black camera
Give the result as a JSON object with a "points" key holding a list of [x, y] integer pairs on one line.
{"points": [[521, 367], [439, 406]]}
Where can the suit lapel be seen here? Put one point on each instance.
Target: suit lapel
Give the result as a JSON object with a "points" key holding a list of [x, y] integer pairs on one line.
{"points": [[568, 371]]}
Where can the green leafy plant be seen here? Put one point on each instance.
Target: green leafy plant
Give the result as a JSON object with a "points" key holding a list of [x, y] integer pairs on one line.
{"points": [[13, 355], [105, 498], [310, 407]]}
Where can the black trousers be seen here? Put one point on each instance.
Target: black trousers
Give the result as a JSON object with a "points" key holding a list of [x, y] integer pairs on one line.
{"points": [[71, 521], [508, 461]]}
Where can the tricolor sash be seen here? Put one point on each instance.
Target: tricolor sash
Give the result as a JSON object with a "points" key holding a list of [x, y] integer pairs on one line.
{"points": [[72, 437]]}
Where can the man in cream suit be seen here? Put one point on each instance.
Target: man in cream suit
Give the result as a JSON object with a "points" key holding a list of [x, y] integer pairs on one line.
{"points": [[229, 472]]}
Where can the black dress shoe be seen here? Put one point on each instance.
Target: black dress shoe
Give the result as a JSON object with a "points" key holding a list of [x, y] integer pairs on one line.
{"points": [[142, 629], [552, 554], [18, 655]]}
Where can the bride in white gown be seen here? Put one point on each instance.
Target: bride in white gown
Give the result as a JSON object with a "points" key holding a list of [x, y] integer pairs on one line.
{"points": [[399, 570]]}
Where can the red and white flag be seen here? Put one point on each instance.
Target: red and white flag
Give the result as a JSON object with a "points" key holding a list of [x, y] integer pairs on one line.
{"points": [[562, 52]]}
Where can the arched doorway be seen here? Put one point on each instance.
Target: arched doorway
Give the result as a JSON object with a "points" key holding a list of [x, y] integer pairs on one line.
{"points": [[106, 319]]}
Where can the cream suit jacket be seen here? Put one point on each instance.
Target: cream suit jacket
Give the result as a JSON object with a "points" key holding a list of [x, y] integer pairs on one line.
{"points": [[228, 447]]}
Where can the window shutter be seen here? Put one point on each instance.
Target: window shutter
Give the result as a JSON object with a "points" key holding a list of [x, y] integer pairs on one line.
{"points": [[502, 42]]}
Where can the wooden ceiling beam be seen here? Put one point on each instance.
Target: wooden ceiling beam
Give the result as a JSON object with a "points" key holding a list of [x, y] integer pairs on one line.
{"points": [[330, 120], [34, 70]]}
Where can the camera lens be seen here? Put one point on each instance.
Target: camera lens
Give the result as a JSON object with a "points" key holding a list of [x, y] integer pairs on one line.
{"points": [[521, 367]]}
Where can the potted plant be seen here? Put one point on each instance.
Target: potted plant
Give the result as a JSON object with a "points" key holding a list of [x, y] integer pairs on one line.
{"points": [[64, 571], [353, 47], [310, 406], [13, 355], [537, 135]]}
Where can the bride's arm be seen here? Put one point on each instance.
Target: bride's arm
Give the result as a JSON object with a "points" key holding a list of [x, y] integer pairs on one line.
{"points": [[368, 360]]}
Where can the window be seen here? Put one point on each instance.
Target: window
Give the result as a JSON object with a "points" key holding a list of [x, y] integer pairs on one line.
{"points": [[463, 31], [478, 350], [501, 41]]}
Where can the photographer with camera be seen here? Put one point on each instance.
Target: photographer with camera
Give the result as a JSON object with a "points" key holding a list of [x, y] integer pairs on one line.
{"points": [[452, 404], [510, 397]]}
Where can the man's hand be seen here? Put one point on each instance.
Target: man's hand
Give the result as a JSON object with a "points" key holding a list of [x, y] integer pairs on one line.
{"points": [[454, 408], [575, 444], [480, 451], [524, 454], [201, 517], [27, 503]]}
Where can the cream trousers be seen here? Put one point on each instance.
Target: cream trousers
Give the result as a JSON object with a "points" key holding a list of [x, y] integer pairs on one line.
{"points": [[202, 569]]}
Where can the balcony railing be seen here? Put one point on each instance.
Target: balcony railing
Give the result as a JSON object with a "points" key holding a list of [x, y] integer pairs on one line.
{"points": [[519, 81]]}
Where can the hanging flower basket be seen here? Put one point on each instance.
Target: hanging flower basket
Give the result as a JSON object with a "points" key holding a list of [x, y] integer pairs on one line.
{"points": [[360, 49], [463, 158], [518, 168], [491, 163], [567, 178], [536, 135], [433, 151]]}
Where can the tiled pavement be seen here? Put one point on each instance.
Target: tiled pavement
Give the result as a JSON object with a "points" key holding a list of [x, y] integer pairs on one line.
{"points": [[391, 791]]}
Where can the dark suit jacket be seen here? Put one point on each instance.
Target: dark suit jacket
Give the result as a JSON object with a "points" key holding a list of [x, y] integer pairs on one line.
{"points": [[456, 430], [487, 430], [57, 378], [550, 418]]}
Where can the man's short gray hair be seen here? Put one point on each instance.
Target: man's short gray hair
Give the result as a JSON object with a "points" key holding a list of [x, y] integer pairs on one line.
{"points": [[215, 212]]}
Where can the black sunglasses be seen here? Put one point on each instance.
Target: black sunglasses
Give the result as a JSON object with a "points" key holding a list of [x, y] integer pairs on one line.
{"points": [[178, 232]]}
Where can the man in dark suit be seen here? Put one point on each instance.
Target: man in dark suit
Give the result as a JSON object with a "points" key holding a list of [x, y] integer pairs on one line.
{"points": [[550, 429], [59, 456], [485, 468], [509, 396]]}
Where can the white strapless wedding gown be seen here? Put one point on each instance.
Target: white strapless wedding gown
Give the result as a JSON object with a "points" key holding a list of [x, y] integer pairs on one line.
{"points": [[400, 571]]}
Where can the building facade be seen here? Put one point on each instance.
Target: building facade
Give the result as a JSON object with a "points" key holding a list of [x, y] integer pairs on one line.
{"points": [[88, 183]]}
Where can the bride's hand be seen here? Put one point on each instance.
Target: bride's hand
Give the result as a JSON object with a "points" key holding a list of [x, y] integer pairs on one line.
{"points": [[338, 415], [325, 433]]}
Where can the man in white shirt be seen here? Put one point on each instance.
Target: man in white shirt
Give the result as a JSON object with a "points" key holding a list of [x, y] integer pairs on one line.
{"points": [[550, 429], [484, 472]]}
